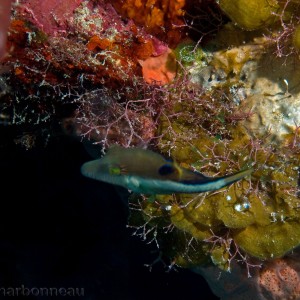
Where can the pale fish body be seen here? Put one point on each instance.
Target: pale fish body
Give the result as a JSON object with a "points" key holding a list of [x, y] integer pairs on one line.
{"points": [[146, 172]]}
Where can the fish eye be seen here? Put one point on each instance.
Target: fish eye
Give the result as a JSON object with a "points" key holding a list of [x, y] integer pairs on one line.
{"points": [[166, 170]]}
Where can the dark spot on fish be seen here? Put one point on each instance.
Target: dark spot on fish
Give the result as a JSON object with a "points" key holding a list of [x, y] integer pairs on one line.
{"points": [[166, 170], [169, 159]]}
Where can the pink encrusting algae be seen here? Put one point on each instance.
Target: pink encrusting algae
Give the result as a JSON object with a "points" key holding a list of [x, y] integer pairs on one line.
{"points": [[5, 6]]}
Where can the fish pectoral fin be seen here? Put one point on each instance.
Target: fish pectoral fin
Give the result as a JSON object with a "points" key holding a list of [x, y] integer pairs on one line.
{"points": [[178, 170], [123, 170]]}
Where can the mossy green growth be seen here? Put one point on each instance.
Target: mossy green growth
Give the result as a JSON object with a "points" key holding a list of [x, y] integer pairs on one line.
{"points": [[188, 53]]}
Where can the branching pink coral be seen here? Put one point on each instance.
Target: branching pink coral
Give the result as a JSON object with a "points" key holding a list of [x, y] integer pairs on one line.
{"points": [[284, 38]]}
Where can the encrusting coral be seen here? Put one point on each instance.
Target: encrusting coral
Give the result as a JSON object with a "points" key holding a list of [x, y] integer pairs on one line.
{"points": [[160, 17], [251, 14], [276, 279]]}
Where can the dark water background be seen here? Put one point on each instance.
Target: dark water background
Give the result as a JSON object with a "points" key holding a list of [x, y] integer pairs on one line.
{"points": [[59, 229]]}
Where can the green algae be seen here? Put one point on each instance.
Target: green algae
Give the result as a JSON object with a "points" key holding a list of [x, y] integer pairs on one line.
{"points": [[188, 53]]}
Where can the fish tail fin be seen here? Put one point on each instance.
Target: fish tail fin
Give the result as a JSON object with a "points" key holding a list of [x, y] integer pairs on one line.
{"points": [[229, 179]]}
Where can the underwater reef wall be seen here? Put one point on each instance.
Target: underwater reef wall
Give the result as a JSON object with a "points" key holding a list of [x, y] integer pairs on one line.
{"points": [[213, 84]]}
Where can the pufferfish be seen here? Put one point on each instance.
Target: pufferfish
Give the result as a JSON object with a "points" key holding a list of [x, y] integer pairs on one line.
{"points": [[146, 172]]}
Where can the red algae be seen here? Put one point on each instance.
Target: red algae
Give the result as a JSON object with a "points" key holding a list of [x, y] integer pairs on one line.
{"points": [[49, 16], [5, 18], [81, 36], [77, 48]]}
